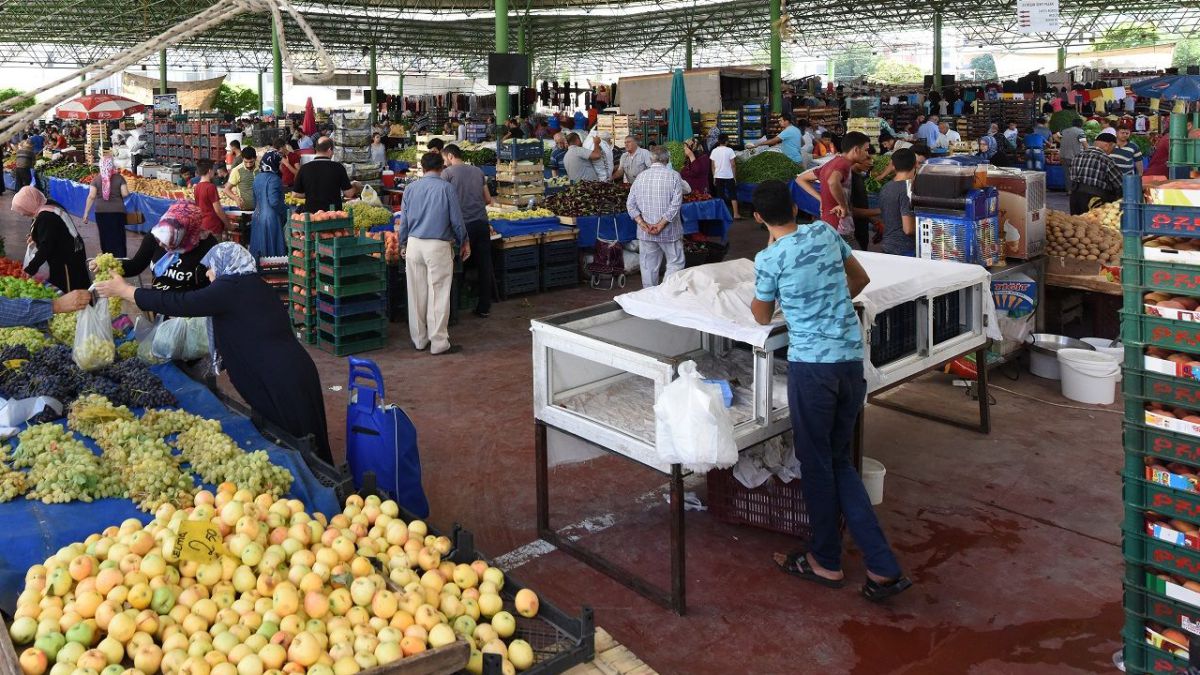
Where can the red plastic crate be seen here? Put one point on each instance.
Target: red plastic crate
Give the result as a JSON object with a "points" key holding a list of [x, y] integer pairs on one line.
{"points": [[774, 505]]}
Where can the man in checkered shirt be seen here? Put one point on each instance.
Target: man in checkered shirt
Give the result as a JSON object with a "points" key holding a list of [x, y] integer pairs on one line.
{"points": [[1095, 178], [654, 202]]}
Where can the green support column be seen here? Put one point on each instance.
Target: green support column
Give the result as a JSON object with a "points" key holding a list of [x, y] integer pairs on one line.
{"points": [[529, 53], [687, 52], [776, 61], [1062, 58], [501, 48], [374, 88], [521, 50], [262, 102], [162, 71], [277, 71], [937, 50]]}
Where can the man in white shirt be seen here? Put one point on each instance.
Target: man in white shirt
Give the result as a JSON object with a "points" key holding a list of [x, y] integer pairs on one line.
{"points": [[724, 171], [633, 161], [118, 135], [946, 137], [602, 162]]}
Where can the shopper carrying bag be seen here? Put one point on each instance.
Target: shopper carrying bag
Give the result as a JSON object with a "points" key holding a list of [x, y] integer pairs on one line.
{"points": [[107, 194]]}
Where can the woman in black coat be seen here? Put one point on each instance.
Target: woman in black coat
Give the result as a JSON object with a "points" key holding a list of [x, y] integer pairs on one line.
{"points": [[59, 245], [174, 247], [251, 335]]}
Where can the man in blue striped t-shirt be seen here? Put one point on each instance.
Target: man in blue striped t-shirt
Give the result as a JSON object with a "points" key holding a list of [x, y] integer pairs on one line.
{"points": [[1127, 156]]}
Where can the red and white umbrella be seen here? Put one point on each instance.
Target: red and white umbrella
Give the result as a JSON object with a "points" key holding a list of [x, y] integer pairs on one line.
{"points": [[98, 107]]}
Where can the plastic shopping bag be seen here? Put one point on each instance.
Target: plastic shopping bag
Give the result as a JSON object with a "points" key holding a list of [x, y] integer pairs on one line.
{"points": [[693, 426], [143, 331], [30, 253], [94, 346], [181, 338], [369, 196]]}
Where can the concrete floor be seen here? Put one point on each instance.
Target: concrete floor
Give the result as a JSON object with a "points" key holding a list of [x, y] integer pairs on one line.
{"points": [[1011, 538]]}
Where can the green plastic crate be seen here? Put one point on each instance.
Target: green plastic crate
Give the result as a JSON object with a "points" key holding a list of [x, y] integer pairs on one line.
{"points": [[1158, 608], [352, 266], [347, 347], [1143, 658], [1151, 275], [357, 285], [1142, 495], [1159, 332], [308, 281], [342, 327], [310, 226], [1178, 391], [344, 247], [1145, 550], [1166, 445]]}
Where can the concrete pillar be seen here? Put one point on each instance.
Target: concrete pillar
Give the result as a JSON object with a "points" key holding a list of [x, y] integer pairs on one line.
{"points": [[937, 50]]}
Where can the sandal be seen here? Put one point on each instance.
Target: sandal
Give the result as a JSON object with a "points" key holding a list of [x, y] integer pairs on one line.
{"points": [[877, 592], [797, 566]]}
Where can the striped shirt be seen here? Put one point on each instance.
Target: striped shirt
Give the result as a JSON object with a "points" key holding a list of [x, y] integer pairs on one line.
{"points": [[1127, 158], [655, 196], [24, 312]]}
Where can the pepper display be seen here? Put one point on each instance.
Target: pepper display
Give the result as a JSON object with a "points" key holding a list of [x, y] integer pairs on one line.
{"points": [[589, 198], [767, 166]]}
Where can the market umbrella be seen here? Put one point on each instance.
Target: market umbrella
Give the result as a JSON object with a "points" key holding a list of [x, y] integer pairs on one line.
{"points": [[680, 116], [309, 124], [98, 107], [1170, 87]]}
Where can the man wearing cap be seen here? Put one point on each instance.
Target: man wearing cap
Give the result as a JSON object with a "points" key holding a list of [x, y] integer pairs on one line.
{"points": [[1095, 178]]}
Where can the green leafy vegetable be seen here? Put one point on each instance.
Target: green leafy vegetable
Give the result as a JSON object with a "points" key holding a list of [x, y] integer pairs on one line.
{"points": [[767, 166]]}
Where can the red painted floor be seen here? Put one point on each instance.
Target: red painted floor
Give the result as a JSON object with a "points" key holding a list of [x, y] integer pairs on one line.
{"points": [[1012, 538]]}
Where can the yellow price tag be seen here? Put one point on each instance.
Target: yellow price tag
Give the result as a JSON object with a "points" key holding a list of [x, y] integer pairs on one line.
{"points": [[15, 364], [199, 541]]}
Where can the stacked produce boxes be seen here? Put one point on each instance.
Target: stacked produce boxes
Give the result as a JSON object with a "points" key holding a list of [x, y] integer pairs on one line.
{"points": [[1185, 151], [351, 143], [867, 125], [1161, 382], [754, 122], [560, 258], [518, 265], [351, 314], [303, 233], [651, 127], [188, 141], [730, 122], [619, 126], [520, 179]]}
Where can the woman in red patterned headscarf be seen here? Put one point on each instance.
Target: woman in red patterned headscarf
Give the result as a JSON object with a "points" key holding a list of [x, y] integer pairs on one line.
{"points": [[175, 247]]}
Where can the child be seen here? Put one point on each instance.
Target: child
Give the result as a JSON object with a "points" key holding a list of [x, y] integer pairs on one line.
{"points": [[810, 272], [895, 207]]}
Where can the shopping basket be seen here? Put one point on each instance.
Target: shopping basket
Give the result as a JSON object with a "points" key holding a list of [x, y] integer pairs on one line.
{"points": [[381, 440], [608, 258]]}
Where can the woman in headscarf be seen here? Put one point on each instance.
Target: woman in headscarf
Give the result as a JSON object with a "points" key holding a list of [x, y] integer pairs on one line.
{"points": [[175, 247], [696, 168], [270, 213], [107, 194], [59, 245], [251, 335], [987, 147]]}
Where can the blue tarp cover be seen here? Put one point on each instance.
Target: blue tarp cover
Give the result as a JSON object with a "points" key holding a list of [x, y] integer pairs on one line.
{"points": [[73, 197], [515, 228], [712, 212], [33, 531]]}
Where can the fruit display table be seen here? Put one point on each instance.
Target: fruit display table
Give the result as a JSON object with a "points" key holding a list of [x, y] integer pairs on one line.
{"points": [[36, 530], [73, 197], [710, 217]]}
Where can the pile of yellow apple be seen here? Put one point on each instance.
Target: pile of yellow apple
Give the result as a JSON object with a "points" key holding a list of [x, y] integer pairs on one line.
{"points": [[290, 594]]}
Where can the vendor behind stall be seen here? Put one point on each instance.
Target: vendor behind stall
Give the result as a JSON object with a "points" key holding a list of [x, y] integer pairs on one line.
{"points": [[811, 274], [251, 335], [1095, 178], [174, 247], [322, 181]]}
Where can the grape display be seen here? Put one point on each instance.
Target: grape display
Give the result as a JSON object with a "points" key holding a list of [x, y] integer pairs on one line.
{"points": [[51, 372], [61, 468], [32, 338]]}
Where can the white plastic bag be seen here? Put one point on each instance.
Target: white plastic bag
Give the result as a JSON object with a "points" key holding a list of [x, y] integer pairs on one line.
{"points": [[181, 338], [693, 426], [369, 196], [30, 252], [94, 346]]}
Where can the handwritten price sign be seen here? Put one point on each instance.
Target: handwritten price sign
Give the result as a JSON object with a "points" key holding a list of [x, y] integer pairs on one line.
{"points": [[199, 541]]}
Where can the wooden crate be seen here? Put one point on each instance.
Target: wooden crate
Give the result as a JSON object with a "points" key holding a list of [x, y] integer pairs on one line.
{"points": [[559, 235], [520, 240], [518, 201], [521, 190]]}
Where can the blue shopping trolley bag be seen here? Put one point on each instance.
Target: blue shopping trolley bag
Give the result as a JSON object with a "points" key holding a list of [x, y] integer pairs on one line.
{"points": [[381, 439]]}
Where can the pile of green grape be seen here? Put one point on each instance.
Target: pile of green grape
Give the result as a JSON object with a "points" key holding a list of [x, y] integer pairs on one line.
{"points": [[61, 468], [94, 352], [216, 458], [149, 470], [106, 264], [89, 411], [31, 338], [12, 485], [62, 327], [127, 350]]}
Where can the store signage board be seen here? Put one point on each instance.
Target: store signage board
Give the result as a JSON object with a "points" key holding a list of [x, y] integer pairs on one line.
{"points": [[166, 103], [1037, 16]]}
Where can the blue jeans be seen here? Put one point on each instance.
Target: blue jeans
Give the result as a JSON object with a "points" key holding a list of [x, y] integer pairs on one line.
{"points": [[825, 400], [1035, 159]]}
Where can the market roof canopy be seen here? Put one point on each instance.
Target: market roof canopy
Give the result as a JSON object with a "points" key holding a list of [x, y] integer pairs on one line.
{"points": [[566, 36]]}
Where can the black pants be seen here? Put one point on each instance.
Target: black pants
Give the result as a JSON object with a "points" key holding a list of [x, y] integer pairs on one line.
{"points": [[480, 235], [726, 189], [1084, 199], [136, 160], [111, 227], [24, 176], [862, 233]]}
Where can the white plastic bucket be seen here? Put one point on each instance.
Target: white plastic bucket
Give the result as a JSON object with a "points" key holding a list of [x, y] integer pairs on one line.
{"points": [[1102, 346], [873, 472], [1089, 376]]}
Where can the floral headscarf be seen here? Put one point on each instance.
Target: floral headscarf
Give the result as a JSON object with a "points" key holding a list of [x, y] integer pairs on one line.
{"points": [[107, 169], [178, 231], [270, 162], [228, 259]]}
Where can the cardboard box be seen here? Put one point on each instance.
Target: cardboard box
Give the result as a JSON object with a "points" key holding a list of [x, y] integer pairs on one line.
{"points": [[1024, 227], [1171, 368], [1170, 255], [1172, 313], [1184, 192], [1176, 592], [1165, 533], [1160, 476], [1160, 642], [1017, 297], [1172, 424]]}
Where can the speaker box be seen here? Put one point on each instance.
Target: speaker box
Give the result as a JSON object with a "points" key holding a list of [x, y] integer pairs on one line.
{"points": [[508, 69]]}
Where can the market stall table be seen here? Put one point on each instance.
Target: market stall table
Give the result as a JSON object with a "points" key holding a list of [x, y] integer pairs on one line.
{"points": [[710, 217], [73, 197], [597, 371], [36, 530]]}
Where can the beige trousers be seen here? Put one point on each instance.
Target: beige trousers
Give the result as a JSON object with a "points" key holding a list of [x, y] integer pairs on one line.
{"points": [[429, 268]]}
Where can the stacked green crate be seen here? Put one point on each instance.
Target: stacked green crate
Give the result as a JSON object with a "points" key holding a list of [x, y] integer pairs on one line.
{"points": [[351, 286], [303, 232], [1161, 529], [1184, 151]]}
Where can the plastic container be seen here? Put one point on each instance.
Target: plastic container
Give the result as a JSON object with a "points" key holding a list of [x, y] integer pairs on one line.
{"points": [[389, 178], [1089, 376], [1043, 353], [1101, 345], [873, 473]]}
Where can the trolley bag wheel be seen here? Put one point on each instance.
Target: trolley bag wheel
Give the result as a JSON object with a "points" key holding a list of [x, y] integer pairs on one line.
{"points": [[621, 281]]}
